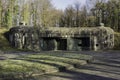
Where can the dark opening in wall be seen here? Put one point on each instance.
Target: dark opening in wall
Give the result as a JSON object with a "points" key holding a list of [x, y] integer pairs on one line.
{"points": [[84, 43], [80, 43], [97, 45], [62, 44], [48, 44], [54, 44]]}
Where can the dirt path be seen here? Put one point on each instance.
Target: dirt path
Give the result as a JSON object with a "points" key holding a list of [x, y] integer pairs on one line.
{"points": [[106, 66]]}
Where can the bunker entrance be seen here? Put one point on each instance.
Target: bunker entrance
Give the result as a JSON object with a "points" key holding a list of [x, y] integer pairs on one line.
{"points": [[54, 44], [84, 43], [62, 44]]}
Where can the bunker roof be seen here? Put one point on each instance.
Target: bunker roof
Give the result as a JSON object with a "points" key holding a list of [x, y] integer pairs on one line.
{"points": [[63, 31]]}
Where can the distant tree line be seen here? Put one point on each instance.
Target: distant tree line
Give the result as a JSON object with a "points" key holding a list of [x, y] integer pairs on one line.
{"points": [[94, 13], [32, 12], [109, 10], [42, 13]]}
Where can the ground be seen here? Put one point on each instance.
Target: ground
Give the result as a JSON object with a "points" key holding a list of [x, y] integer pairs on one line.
{"points": [[24, 65], [105, 66]]}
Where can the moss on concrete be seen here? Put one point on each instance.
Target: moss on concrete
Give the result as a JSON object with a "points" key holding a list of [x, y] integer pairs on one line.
{"points": [[117, 41]]}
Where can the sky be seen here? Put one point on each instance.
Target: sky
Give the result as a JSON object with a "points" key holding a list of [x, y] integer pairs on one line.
{"points": [[62, 4]]}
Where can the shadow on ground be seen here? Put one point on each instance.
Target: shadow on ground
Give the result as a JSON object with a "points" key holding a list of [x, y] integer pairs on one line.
{"points": [[73, 75], [106, 66]]}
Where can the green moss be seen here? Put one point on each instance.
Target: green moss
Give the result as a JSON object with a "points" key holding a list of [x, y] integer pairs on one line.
{"points": [[4, 44]]}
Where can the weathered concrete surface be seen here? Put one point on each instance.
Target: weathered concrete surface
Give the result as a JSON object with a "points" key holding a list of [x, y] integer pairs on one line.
{"points": [[57, 38]]}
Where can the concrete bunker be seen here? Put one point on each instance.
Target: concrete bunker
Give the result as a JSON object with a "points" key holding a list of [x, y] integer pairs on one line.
{"points": [[54, 44], [84, 43], [56, 38]]}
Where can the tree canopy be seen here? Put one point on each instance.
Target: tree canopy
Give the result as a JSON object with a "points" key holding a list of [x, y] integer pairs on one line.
{"points": [[43, 13]]}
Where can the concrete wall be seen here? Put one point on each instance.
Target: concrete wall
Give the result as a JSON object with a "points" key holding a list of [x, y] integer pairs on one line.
{"points": [[30, 38]]}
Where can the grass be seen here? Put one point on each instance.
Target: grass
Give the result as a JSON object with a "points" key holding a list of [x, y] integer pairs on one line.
{"points": [[23, 69], [68, 55], [57, 59], [20, 67]]}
